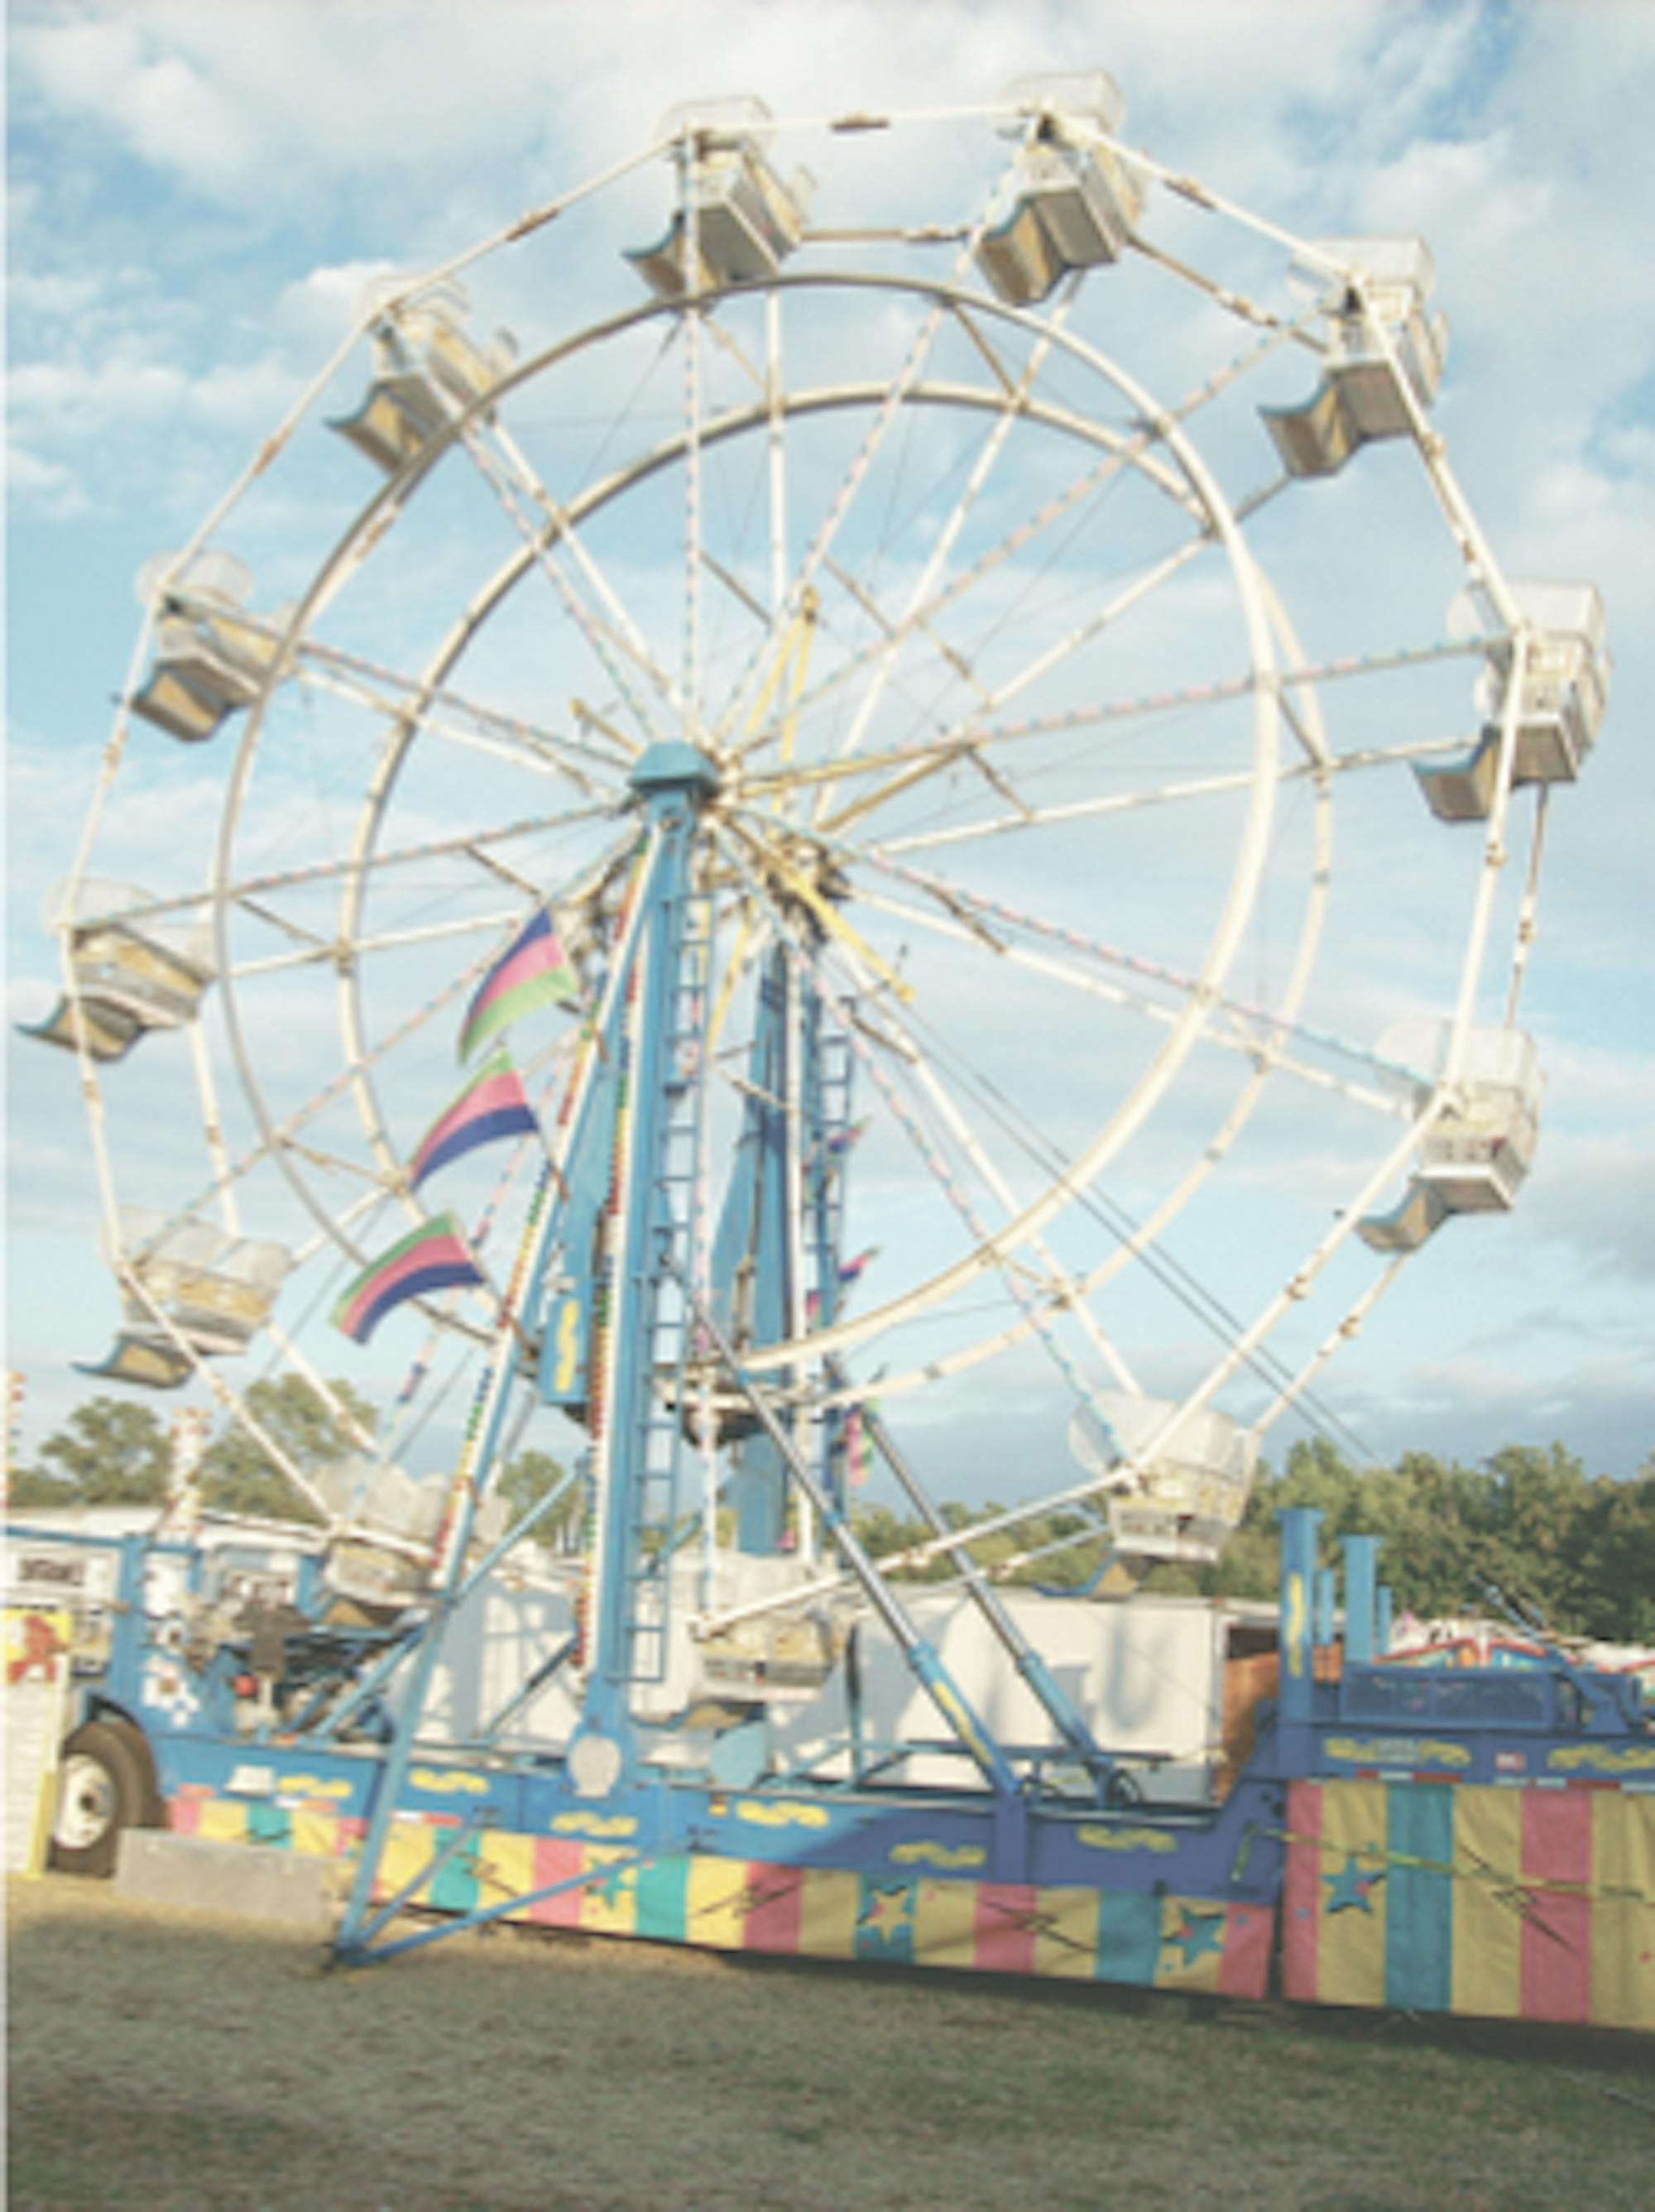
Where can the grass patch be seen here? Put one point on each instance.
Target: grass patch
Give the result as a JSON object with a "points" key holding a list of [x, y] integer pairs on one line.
{"points": [[160, 2061]]}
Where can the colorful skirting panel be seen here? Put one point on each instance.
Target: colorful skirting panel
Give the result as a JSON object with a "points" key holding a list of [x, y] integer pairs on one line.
{"points": [[1516, 1903], [723, 1903]]}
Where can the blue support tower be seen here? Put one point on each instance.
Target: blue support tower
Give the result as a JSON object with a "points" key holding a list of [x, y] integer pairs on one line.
{"points": [[1361, 1555]]}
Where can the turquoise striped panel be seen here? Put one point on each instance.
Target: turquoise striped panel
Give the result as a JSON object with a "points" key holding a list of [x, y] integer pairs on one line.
{"points": [[1418, 1900]]}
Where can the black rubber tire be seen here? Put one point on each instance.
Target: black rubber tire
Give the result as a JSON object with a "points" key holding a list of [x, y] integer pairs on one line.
{"points": [[103, 1788], [152, 1813]]}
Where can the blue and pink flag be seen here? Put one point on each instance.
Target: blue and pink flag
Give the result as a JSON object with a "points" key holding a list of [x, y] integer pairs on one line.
{"points": [[493, 1104], [534, 970], [432, 1257]]}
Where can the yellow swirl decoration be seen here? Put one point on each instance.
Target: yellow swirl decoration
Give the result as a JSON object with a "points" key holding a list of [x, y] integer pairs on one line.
{"points": [[1125, 1839], [763, 1813], [568, 1345], [312, 1785], [926, 1853], [1398, 1751], [1635, 1759], [1295, 1624], [596, 1825], [449, 1782]]}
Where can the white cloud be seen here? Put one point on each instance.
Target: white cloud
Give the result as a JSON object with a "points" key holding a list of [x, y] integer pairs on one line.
{"points": [[42, 487], [1597, 1194], [82, 401]]}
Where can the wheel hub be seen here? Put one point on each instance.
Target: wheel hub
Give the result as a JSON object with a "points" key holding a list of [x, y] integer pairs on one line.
{"points": [[86, 1804]]}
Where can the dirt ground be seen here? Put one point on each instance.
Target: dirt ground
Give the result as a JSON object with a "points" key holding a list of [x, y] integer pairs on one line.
{"points": [[158, 2059]]}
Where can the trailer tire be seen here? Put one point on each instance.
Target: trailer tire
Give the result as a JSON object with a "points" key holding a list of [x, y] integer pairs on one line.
{"points": [[102, 1787]]}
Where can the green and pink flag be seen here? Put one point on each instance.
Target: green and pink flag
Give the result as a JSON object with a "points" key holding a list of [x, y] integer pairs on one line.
{"points": [[433, 1257], [534, 971]]}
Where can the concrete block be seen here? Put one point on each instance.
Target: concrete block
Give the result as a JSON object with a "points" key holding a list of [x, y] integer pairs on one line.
{"points": [[248, 1881]]}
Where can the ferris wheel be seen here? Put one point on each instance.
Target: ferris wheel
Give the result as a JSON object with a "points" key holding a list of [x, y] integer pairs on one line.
{"points": [[920, 798]]}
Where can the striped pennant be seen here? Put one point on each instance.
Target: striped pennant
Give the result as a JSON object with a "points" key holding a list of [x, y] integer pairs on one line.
{"points": [[432, 1257], [493, 1104], [534, 971]]}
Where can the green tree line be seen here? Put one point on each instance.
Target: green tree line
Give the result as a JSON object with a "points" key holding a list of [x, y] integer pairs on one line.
{"points": [[114, 1452], [1530, 1522]]}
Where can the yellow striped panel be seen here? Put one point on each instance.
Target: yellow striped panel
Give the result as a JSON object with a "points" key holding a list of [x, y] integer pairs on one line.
{"points": [[408, 1847], [1351, 1955], [505, 1867], [1622, 1924], [610, 1908], [1487, 1968], [224, 1820], [829, 1901], [715, 1903], [945, 1923], [316, 1833], [1066, 1933]]}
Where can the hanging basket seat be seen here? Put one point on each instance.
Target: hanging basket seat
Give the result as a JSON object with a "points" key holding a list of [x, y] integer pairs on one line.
{"points": [[379, 1555], [212, 656], [207, 667], [748, 218], [1073, 203], [1565, 692], [425, 371], [217, 1290], [1376, 351], [1186, 1501], [128, 977], [774, 1658], [153, 1361], [1477, 1155]]}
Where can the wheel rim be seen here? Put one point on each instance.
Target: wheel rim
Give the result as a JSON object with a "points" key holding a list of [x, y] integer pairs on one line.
{"points": [[969, 672], [88, 1808]]}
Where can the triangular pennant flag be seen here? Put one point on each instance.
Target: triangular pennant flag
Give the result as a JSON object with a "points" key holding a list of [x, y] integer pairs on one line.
{"points": [[534, 970], [432, 1257], [493, 1104]]}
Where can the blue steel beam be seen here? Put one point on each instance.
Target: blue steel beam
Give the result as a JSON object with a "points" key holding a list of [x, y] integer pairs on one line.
{"points": [[673, 781], [923, 1660]]}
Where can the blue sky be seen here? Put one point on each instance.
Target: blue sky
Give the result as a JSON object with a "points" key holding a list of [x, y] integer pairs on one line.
{"points": [[196, 196]]}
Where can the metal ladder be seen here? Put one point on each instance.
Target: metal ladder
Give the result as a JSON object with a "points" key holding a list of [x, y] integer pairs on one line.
{"points": [[657, 1441], [829, 1065]]}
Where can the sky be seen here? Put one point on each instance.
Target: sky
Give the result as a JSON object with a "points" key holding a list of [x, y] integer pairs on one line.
{"points": [[197, 196]]}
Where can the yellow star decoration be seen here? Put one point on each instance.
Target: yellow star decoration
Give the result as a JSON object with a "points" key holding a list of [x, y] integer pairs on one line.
{"points": [[888, 1911]]}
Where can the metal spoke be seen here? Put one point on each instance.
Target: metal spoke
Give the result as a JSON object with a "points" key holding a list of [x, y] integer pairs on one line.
{"points": [[1128, 802], [964, 736], [992, 446], [906, 378], [383, 690], [1124, 452]]}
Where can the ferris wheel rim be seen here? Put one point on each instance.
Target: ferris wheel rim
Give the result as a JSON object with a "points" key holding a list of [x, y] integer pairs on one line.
{"points": [[513, 570], [395, 495]]}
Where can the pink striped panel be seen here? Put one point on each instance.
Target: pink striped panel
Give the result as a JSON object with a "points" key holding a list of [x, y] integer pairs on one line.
{"points": [[555, 1861], [1557, 1929], [772, 1919], [1245, 1969], [1301, 1901], [1004, 1927]]}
